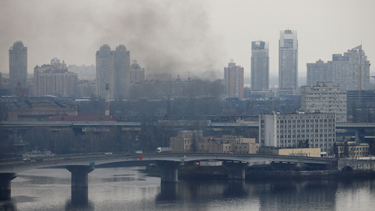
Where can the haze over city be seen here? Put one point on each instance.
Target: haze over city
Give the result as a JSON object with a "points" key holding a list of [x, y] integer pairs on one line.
{"points": [[187, 105], [187, 38]]}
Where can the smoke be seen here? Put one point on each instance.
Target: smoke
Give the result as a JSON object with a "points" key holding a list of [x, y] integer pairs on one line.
{"points": [[168, 36]]}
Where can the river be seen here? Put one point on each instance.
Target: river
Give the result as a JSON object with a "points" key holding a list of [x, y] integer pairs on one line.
{"points": [[128, 188]]}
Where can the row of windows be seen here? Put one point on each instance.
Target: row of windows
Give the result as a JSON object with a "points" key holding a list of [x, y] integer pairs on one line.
{"points": [[305, 121], [307, 136], [312, 141], [307, 126], [305, 116]]}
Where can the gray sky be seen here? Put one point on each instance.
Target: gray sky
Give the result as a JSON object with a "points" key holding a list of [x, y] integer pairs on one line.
{"points": [[196, 38]]}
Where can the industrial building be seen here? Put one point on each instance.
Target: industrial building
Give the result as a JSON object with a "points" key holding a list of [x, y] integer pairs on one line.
{"points": [[290, 130]]}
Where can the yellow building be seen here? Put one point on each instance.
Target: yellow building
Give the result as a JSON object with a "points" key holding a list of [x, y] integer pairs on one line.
{"points": [[354, 150], [305, 152], [186, 141], [193, 141]]}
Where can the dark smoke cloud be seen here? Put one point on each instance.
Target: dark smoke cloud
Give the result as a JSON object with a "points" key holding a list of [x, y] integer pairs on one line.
{"points": [[172, 36]]}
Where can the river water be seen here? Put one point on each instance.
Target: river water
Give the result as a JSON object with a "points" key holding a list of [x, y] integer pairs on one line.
{"points": [[128, 188]]}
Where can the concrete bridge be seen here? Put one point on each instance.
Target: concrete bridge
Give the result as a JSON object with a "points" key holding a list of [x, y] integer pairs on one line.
{"points": [[81, 165], [349, 164], [184, 123]]}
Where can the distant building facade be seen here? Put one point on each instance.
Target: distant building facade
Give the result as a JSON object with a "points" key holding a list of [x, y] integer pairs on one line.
{"points": [[17, 66], [54, 79], [304, 152], [288, 130], [36, 109], [177, 89], [84, 72], [324, 97], [288, 60], [193, 141], [234, 80], [137, 74], [113, 68], [350, 71], [353, 150], [86, 88], [259, 66]]}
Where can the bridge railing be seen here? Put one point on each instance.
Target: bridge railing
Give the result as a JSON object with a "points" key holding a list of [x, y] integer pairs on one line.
{"points": [[219, 156]]}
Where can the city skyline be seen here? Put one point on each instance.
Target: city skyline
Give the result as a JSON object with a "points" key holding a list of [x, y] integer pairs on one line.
{"points": [[215, 42]]}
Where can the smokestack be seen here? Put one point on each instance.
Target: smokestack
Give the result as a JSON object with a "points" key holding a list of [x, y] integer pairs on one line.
{"points": [[107, 100]]}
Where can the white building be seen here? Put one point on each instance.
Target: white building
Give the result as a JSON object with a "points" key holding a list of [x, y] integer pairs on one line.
{"points": [[54, 79], [350, 71], [324, 97], [288, 130], [288, 60]]}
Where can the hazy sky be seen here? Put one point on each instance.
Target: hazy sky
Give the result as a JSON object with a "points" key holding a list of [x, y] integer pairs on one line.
{"points": [[196, 38]]}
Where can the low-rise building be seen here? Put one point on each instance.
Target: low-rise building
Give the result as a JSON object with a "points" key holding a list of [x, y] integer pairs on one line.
{"points": [[186, 141], [193, 141], [36, 109], [352, 150], [304, 152]]}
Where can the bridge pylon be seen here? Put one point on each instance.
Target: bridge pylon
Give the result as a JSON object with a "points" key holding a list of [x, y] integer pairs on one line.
{"points": [[5, 186], [236, 170], [168, 170], [79, 180]]}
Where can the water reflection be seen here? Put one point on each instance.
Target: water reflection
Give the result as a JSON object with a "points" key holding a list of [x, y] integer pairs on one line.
{"points": [[7, 206], [168, 192], [77, 206], [127, 189], [289, 195], [236, 189]]}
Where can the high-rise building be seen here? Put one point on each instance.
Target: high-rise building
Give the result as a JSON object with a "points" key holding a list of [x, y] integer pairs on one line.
{"points": [[17, 66], [259, 66], [54, 79], [122, 72], [290, 130], [350, 71], [104, 69], [288, 60], [324, 98], [234, 80], [113, 68]]}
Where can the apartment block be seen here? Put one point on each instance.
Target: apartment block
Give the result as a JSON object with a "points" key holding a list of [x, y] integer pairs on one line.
{"points": [[324, 97], [54, 79], [349, 71], [234, 80], [113, 68], [17, 66]]}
